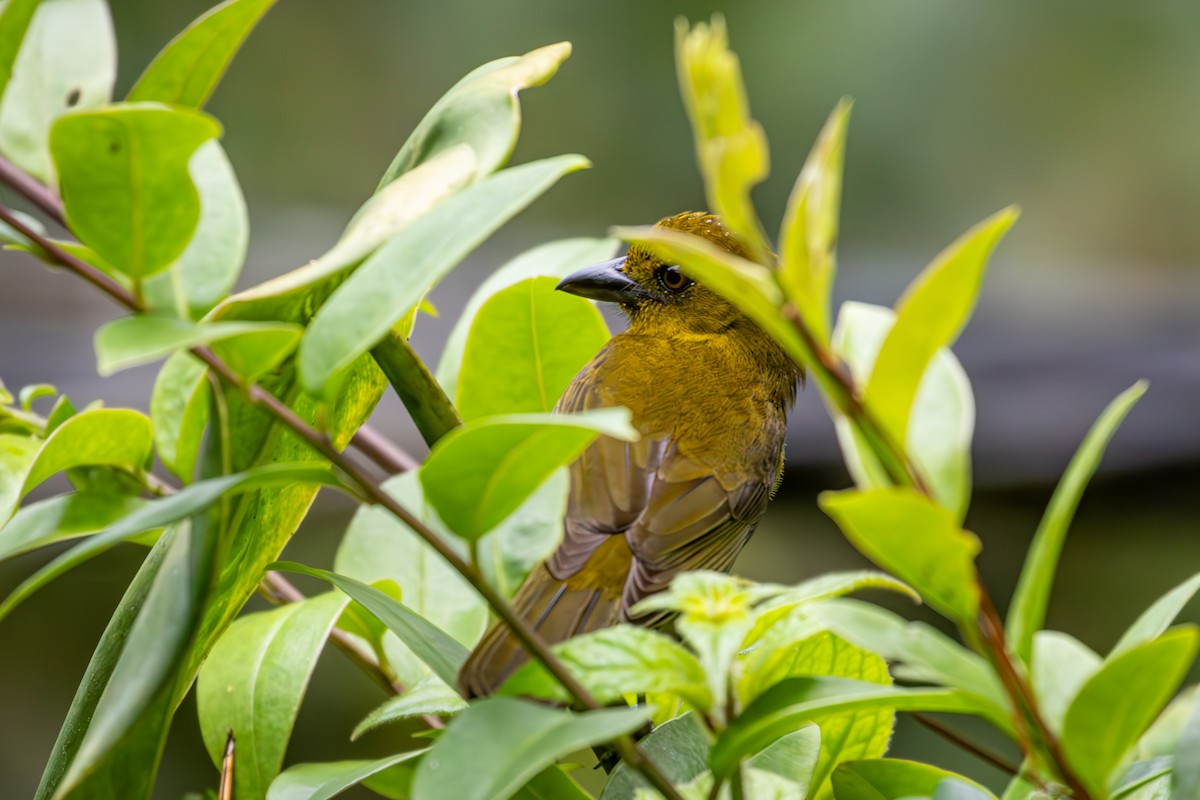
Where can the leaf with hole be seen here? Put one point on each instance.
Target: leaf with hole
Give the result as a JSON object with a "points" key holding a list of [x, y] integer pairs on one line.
{"points": [[66, 61], [127, 190]]}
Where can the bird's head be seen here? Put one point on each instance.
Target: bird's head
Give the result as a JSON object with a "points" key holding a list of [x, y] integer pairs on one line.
{"points": [[658, 296]]}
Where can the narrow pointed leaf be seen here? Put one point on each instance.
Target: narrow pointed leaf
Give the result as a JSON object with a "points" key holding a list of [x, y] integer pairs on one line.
{"points": [[67, 516], [443, 654], [810, 227], [731, 148], [930, 315], [188, 69], [395, 278], [164, 511], [1031, 597]]}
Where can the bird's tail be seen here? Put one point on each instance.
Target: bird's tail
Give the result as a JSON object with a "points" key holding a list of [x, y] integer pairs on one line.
{"points": [[557, 609]]}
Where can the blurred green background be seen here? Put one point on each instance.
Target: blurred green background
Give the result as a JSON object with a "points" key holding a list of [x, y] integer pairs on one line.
{"points": [[1085, 114]]}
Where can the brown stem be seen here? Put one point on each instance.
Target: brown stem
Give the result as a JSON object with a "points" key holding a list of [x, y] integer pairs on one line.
{"points": [[957, 739], [34, 191], [256, 395]]}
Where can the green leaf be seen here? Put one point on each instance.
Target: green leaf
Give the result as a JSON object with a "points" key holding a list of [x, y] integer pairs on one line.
{"points": [[615, 662], [378, 546], [1185, 781], [810, 225], [890, 779], [179, 409], [480, 473], [917, 540], [14, 22], [430, 696], [67, 62], [118, 437], [443, 654], [526, 537], [930, 315], [679, 748], [1145, 780], [507, 742], [1154, 620], [942, 421], [253, 681], [790, 649], [1116, 705], [207, 269], [823, 587], [188, 69], [125, 182], [392, 281], [480, 111], [17, 452], [731, 148], [57, 519], [165, 511], [1027, 612], [329, 779], [295, 296], [796, 701], [924, 654], [527, 343], [1061, 664], [147, 668], [554, 259], [99, 671], [142, 338], [1162, 738]]}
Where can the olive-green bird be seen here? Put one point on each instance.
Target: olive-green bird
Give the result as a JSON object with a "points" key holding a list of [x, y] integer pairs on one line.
{"points": [[709, 392]]}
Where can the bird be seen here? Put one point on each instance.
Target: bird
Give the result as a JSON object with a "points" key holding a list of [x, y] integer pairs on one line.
{"points": [[709, 392]]}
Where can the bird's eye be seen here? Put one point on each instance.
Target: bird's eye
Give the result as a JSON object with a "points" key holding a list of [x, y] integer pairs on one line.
{"points": [[673, 280]]}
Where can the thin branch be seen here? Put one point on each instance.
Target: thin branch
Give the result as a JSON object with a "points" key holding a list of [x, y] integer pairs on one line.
{"points": [[256, 395], [34, 191], [383, 451], [975, 749]]}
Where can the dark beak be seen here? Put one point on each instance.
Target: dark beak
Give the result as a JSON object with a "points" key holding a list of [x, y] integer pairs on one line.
{"points": [[605, 282]]}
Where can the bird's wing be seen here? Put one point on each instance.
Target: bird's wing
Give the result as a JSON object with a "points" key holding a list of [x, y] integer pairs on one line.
{"points": [[675, 513]]}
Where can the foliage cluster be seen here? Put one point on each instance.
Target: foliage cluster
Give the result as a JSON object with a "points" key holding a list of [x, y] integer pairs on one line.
{"points": [[766, 691]]}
